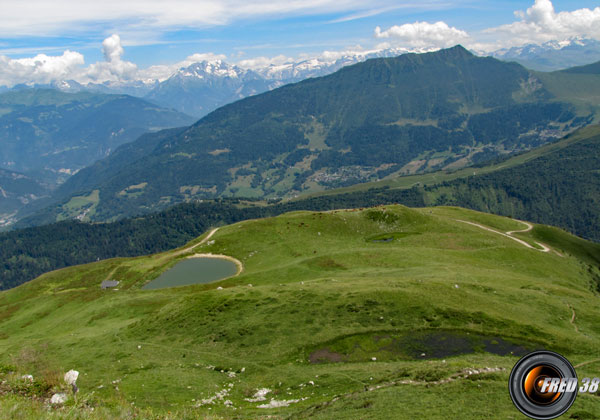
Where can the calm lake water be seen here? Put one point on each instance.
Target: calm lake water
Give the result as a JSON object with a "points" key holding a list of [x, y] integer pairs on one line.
{"points": [[194, 271]]}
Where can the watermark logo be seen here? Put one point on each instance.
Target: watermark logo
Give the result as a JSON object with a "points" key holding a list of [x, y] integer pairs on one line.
{"points": [[544, 385]]}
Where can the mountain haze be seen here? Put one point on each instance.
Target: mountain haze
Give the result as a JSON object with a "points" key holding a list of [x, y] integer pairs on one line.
{"points": [[48, 135], [17, 190], [50, 131]]}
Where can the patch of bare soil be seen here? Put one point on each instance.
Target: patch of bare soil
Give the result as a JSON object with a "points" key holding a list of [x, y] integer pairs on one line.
{"points": [[324, 356]]}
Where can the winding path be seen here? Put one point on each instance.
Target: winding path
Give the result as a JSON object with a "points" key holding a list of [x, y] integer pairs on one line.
{"points": [[191, 247], [509, 234], [573, 318]]}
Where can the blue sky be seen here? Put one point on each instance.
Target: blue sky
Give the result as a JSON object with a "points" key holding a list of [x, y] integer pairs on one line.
{"points": [[157, 32]]}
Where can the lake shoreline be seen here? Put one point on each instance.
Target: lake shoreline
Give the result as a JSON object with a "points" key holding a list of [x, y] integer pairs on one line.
{"points": [[238, 263]]}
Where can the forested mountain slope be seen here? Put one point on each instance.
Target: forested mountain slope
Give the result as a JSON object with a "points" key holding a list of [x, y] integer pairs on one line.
{"points": [[400, 115]]}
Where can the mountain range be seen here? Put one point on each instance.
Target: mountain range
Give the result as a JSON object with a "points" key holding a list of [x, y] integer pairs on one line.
{"points": [[204, 86], [380, 118], [201, 87]]}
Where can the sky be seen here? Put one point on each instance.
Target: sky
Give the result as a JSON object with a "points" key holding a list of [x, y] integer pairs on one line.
{"points": [[43, 41]]}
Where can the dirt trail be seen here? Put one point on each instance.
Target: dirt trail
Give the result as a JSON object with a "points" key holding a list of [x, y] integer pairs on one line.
{"points": [[573, 319], [462, 375], [589, 362], [510, 233], [191, 248], [112, 272]]}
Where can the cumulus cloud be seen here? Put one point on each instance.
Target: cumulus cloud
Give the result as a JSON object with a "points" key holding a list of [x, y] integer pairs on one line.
{"points": [[423, 35], [114, 68], [541, 23], [44, 69], [39, 69], [113, 50]]}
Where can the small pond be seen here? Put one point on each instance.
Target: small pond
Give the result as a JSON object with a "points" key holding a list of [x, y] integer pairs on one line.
{"points": [[194, 271]]}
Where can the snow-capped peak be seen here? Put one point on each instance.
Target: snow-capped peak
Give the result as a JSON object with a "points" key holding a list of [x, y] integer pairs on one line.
{"points": [[216, 68]]}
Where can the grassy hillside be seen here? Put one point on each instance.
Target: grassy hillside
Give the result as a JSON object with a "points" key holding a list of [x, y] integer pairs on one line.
{"points": [[329, 314], [27, 253]]}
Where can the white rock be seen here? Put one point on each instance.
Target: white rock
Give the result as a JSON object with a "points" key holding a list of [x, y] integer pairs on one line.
{"points": [[58, 398], [71, 377], [277, 404], [219, 288], [259, 395], [374, 359]]}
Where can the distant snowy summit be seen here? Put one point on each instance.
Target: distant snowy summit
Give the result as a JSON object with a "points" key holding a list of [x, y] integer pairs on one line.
{"points": [[326, 64], [553, 55]]}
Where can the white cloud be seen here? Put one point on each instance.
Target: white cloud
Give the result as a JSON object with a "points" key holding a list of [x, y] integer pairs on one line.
{"points": [[113, 50], [261, 62], [114, 68], [199, 57], [39, 69], [44, 69], [43, 17], [541, 23], [423, 35]]}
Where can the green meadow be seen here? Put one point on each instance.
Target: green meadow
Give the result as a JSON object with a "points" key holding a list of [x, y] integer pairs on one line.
{"points": [[376, 313]]}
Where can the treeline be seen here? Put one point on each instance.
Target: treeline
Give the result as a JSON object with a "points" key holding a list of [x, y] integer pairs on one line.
{"points": [[27, 253]]}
